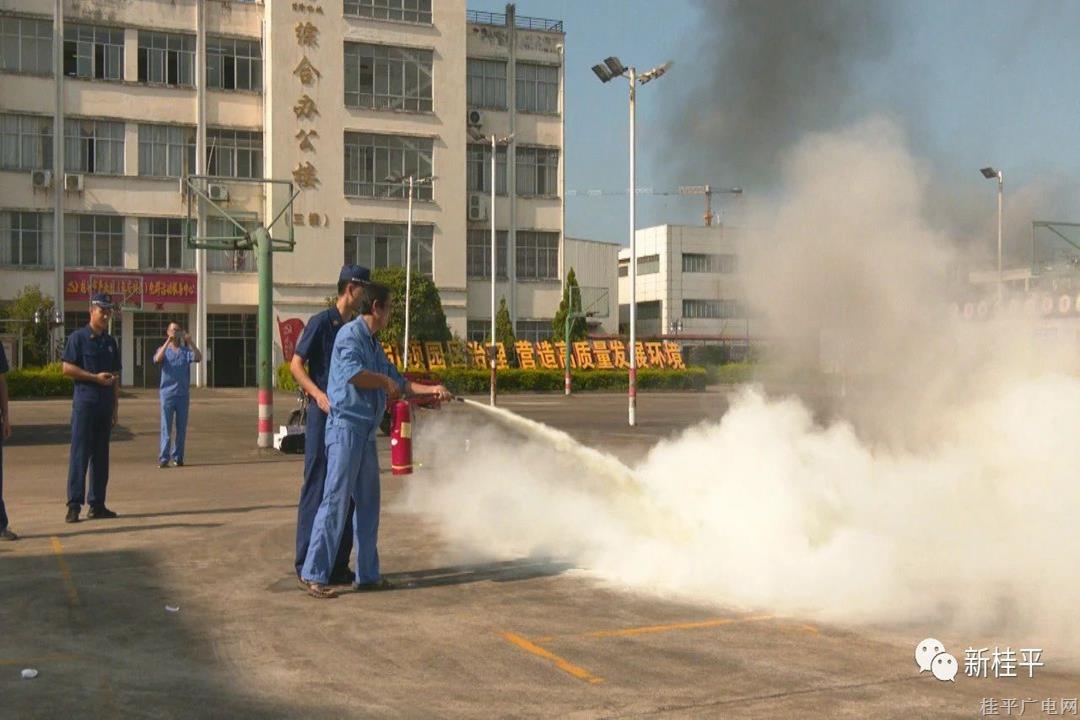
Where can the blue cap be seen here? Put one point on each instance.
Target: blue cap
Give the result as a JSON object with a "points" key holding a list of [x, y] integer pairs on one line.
{"points": [[103, 300], [354, 273]]}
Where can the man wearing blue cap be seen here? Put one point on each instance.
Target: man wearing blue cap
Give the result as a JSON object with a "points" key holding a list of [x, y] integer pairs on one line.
{"points": [[314, 349], [361, 381], [92, 359]]}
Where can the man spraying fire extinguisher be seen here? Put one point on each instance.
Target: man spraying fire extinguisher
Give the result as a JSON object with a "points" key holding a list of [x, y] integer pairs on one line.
{"points": [[361, 381]]}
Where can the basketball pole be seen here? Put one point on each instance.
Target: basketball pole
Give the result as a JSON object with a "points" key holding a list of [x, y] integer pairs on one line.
{"points": [[265, 349]]}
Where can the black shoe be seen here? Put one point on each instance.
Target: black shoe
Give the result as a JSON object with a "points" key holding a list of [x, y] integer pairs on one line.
{"points": [[6, 534], [178, 463], [72, 514], [342, 576], [380, 584], [100, 512], [163, 464]]}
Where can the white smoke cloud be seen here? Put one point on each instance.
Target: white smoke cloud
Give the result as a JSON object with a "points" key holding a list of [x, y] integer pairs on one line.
{"points": [[943, 493]]}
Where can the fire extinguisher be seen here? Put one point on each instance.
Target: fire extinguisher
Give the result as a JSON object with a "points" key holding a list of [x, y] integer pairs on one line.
{"points": [[401, 438]]}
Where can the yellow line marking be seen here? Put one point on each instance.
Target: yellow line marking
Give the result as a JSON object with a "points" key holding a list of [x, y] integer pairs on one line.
{"points": [[27, 662], [810, 629], [567, 667], [65, 572], [654, 629]]}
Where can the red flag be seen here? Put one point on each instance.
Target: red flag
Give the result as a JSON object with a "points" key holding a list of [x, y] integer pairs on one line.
{"points": [[290, 334]]}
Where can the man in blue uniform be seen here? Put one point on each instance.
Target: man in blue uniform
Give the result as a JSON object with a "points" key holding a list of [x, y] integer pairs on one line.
{"points": [[314, 349], [92, 359], [361, 380], [175, 358], [5, 433]]}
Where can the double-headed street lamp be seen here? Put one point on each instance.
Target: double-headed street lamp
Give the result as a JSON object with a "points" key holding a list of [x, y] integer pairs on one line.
{"points": [[412, 180], [50, 318], [991, 174], [611, 68]]}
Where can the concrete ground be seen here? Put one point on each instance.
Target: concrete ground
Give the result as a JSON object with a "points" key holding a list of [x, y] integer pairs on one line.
{"points": [[86, 604]]}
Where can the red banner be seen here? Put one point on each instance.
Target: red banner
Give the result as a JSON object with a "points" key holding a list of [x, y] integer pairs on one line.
{"points": [[290, 334], [132, 288]]}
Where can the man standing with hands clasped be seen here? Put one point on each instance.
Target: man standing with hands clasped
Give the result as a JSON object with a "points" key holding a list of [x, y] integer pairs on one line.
{"points": [[92, 359], [175, 358]]}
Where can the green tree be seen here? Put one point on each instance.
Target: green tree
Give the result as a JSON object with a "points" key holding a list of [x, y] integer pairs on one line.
{"points": [[504, 330], [35, 337], [427, 321], [571, 293]]}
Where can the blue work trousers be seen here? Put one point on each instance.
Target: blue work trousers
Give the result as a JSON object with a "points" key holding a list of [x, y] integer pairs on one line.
{"points": [[311, 492], [91, 428], [174, 412], [3, 510], [352, 470]]}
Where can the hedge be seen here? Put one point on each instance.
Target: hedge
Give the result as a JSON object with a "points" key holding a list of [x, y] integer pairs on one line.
{"points": [[471, 381], [285, 380], [730, 374], [37, 382]]}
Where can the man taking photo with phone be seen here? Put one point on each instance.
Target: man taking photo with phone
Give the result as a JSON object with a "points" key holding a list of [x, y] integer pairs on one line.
{"points": [[175, 357], [92, 359]]}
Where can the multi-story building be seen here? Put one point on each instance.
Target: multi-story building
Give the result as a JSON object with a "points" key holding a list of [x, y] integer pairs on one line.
{"points": [[688, 285], [341, 97]]}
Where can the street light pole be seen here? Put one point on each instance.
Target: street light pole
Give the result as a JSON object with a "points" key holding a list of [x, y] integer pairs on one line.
{"points": [[1001, 210], [610, 68], [993, 174], [408, 274], [492, 359]]}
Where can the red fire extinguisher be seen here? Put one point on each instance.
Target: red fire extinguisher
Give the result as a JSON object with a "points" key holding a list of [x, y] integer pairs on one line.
{"points": [[401, 438]]}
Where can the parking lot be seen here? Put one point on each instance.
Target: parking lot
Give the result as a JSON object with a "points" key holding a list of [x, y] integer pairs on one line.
{"points": [[186, 605]]}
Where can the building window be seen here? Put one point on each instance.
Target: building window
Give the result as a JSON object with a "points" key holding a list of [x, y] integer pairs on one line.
{"points": [[233, 64], [370, 159], [537, 255], [648, 265], [485, 84], [229, 260], [234, 153], [25, 142], [387, 78], [533, 330], [624, 268], [94, 240], [166, 59], [537, 171], [702, 263], [478, 169], [25, 45], [478, 253], [166, 150], [94, 146], [537, 88], [477, 330], [162, 246], [378, 245], [411, 11], [93, 52], [711, 309], [26, 238]]}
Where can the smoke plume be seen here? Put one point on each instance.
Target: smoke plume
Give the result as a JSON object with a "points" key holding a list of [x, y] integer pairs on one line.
{"points": [[942, 495]]}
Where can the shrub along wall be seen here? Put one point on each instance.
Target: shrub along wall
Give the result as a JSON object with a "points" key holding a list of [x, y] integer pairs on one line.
{"points": [[36, 382]]}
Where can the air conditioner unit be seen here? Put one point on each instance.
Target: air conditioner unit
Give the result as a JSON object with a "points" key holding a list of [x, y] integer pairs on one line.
{"points": [[217, 192], [73, 182], [475, 118], [41, 178], [477, 208]]}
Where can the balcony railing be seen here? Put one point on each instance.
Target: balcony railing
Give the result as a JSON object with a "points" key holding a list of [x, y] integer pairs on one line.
{"points": [[522, 22]]}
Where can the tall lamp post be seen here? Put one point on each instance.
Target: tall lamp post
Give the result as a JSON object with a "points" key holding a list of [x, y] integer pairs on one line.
{"points": [[992, 174], [412, 181], [611, 68]]}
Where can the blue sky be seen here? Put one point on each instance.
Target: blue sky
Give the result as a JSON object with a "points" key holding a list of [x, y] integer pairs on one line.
{"points": [[974, 83]]}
